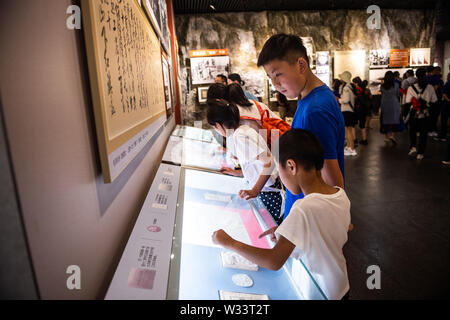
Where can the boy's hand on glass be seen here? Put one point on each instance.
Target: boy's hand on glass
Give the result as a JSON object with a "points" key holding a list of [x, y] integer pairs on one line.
{"points": [[222, 238], [270, 231], [248, 194]]}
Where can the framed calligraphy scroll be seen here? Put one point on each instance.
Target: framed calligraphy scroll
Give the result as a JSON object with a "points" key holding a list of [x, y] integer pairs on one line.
{"points": [[126, 75]]}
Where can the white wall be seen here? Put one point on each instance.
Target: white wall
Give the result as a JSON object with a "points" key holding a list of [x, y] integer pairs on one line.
{"points": [[49, 122]]}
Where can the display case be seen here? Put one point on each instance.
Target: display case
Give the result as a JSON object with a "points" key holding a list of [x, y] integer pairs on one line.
{"points": [[196, 148], [170, 253]]}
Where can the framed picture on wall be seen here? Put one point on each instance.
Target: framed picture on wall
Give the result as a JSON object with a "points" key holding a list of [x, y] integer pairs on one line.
{"points": [[153, 9], [205, 69], [165, 33], [419, 57], [127, 86], [202, 94], [379, 58], [167, 84]]}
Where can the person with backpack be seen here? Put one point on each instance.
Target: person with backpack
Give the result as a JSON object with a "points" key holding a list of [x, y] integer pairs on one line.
{"points": [[255, 158], [256, 114], [347, 101], [419, 97], [390, 107]]}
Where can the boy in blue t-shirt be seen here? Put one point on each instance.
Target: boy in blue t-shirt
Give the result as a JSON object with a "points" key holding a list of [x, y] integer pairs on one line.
{"points": [[286, 63]]}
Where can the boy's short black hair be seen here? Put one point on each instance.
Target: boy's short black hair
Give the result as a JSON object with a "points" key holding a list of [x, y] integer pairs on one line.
{"points": [[287, 47], [303, 147], [223, 112]]}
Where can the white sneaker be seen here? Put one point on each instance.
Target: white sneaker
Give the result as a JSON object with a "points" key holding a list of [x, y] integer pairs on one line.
{"points": [[419, 156], [412, 151], [353, 152], [347, 151]]}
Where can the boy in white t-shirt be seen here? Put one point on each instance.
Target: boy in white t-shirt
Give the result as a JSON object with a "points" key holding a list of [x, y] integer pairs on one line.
{"points": [[317, 224], [249, 147]]}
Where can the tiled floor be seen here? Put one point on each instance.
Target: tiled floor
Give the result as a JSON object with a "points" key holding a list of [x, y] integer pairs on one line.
{"points": [[401, 213]]}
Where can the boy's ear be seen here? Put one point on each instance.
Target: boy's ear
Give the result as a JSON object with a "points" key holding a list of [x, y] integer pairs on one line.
{"points": [[291, 166], [302, 65]]}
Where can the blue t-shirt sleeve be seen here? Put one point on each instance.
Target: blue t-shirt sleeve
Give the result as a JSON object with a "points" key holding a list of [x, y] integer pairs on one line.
{"points": [[325, 129]]}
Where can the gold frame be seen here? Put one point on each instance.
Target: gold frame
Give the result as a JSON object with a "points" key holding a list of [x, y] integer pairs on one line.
{"points": [[105, 145]]}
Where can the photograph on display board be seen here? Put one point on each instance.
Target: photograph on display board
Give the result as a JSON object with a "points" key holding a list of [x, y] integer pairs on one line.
{"points": [[379, 58], [254, 82], [154, 12], [127, 86], [205, 69], [167, 84], [165, 33], [202, 94], [419, 57]]}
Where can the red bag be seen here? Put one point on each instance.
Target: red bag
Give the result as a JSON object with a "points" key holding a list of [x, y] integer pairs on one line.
{"points": [[269, 124]]}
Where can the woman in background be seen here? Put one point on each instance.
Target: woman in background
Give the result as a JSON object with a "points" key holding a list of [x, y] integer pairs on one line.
{"points": [[390, 107]]}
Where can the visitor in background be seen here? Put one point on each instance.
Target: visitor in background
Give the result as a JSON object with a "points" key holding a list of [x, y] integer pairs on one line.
{"points": [[283, 105], [365, 83], [220, 78], [236, 78], [397, 79], [410, 79], [347, 101], [363, 106], [435, 79], [390, 106], [420, 95], [445, 110], [335, 86]]}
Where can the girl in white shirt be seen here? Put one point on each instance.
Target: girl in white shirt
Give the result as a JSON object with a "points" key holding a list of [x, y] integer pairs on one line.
{"points": [[252, 153]]}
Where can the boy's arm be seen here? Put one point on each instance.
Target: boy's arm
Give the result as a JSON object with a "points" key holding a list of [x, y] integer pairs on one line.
{"points": [[272, 259], [331, 173]]}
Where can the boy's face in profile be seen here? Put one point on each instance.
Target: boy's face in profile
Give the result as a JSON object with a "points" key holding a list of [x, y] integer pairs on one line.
{"points": [[288, 176], [287, 78]]}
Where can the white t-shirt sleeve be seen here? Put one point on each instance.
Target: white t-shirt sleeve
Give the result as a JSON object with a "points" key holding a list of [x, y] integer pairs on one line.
{"points": [[296, 228], [248, 145]]}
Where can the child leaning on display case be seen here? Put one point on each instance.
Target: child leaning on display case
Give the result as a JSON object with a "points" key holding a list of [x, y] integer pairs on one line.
{"points": [[315, 231], [251, 150]]}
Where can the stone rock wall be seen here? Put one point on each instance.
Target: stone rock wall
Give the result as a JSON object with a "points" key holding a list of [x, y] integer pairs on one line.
{"points": [[244, 35]]}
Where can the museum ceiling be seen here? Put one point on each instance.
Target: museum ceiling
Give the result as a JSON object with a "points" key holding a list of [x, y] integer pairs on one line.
{"points": [[216, 6]]}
